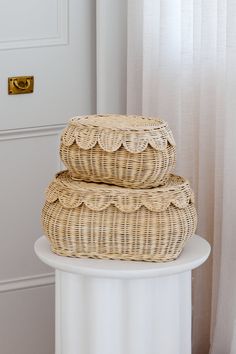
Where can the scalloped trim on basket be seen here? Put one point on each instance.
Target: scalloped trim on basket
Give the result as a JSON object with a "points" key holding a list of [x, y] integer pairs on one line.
{"points": [[133, 135], [71, 194]]}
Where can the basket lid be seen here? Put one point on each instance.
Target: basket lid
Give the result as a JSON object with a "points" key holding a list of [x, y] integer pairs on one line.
{"points": [[112, 130], [72, 193]]}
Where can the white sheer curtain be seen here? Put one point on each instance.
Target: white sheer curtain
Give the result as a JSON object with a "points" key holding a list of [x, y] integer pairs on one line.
{"points": [[181, 57]]}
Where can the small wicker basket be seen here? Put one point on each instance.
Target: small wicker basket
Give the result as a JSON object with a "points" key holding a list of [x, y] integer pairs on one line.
{"points": [[127, 151], [100, 221]]}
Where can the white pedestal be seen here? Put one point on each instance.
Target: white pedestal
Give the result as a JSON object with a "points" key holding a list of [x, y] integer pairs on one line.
{"points": [[119, 307]]}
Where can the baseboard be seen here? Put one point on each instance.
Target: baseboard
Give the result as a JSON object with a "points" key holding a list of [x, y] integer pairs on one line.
{"points": [[29, 282]]}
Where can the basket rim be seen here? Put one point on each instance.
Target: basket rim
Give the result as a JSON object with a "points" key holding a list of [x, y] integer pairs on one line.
{"points": [[111, 137], [119, 122], [72, 193]]}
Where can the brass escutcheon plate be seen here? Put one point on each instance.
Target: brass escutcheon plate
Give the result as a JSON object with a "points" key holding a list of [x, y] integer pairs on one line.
{"points": [[20, 84]]}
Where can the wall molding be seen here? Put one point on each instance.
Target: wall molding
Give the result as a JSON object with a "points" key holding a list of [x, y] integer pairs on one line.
{"points": [[60, 38], [29, 132], [35, 132], [29, 282], [33, 281]]}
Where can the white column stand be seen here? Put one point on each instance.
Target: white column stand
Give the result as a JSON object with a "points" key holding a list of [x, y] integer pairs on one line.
{"points": [[118, 307]]}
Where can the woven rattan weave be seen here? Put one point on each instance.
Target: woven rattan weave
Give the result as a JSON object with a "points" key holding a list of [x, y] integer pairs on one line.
{"points": [[127, 151], [100, 221]]}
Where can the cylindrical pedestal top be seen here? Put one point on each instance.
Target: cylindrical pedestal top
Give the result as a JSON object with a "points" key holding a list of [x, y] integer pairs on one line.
{"points": [[194, 254]]}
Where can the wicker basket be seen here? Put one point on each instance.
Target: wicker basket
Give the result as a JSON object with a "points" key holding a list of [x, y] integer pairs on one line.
{"points": [[100, 221], [127, 151]]}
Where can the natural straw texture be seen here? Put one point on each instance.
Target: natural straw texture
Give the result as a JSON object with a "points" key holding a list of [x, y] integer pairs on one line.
{"points": [[100, 221], [127, 151]]}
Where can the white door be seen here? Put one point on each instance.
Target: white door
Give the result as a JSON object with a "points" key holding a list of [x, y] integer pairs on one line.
{"points": [[53, 40]]}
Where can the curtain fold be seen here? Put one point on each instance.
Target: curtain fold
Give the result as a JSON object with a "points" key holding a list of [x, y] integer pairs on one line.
{"points": [[181, 66]]}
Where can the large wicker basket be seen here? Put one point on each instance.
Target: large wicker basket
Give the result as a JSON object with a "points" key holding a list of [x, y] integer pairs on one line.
{"points": [[100, 221], [127, 151]]}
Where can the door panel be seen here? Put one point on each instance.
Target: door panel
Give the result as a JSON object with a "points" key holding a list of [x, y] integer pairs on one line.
{"points": [[63, 67], [30, 159], [33, 23]]}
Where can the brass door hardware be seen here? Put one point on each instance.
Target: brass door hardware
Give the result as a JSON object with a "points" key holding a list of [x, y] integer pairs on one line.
{"points": [[20, 84]]}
